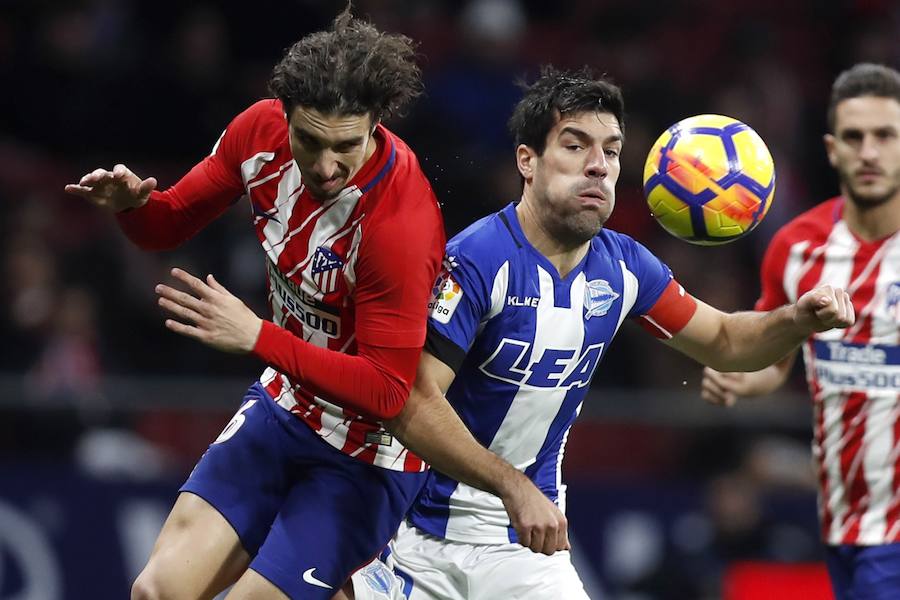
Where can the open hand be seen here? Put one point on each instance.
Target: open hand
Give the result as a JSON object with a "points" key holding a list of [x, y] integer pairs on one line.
{"points": [[210, 314], [115, 190]]}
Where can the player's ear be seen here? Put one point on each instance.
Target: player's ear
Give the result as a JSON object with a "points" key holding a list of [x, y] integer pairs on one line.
{"points": [[525, 159], [829, 140]]}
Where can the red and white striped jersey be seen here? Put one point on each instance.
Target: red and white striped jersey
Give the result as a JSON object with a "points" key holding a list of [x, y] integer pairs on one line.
{"points": [[352, 272], [853, 374]]}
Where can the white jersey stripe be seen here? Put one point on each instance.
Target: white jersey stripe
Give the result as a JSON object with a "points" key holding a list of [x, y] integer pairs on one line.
{"points": [[251, 167], [629, 293], [833, 428], [796, 268]]}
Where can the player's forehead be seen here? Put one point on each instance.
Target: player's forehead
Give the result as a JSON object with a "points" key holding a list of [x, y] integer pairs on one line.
{"points": [[599, 126], [866, 113], [329, 127]]}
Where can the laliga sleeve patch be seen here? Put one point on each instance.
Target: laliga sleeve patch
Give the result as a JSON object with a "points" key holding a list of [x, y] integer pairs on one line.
{"points": [[446, 295], [672, 311]]}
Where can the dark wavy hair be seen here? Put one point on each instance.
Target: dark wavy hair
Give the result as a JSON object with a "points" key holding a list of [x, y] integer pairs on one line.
{"points": [[351, 69], [863, 79], [556, 93]]}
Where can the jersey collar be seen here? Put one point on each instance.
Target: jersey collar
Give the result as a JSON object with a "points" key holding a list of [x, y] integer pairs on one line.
{"points": [[379, 163]]}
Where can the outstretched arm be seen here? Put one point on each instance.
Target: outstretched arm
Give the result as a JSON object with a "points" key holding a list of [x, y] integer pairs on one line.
{"points": [[429, 427], [750, 341], [157, 220]]}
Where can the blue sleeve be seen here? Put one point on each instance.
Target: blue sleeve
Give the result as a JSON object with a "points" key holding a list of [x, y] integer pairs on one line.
{"points": [[653, 275], [461, 298]]}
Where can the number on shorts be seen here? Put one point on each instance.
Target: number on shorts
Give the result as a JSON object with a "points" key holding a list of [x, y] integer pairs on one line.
{"points": [[235, 423]]}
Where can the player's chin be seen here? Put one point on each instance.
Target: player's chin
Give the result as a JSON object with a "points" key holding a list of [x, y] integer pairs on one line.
{"points": [[323, 194], [587, 224], [873, 195]]}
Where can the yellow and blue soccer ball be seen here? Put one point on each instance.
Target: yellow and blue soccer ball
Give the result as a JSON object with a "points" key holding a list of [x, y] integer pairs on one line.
{"points": [[709, 179]]}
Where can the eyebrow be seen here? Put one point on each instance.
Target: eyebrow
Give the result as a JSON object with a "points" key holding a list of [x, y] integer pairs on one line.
{"points": [[583, 135], [298, 131], [881, 129]]}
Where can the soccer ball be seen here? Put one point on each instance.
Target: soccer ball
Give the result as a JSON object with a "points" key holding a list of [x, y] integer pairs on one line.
{"points": [[709, 179]]}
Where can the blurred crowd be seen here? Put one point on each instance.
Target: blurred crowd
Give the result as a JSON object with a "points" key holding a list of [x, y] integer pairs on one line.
{"points": [[152, 84], [89, 83]]}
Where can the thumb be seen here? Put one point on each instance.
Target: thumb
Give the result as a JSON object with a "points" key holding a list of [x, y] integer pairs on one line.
{"points": [[146, 186], [823, 302]]}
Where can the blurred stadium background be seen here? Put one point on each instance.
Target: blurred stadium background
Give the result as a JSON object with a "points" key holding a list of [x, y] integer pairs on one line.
{"points": [[103, 412]]}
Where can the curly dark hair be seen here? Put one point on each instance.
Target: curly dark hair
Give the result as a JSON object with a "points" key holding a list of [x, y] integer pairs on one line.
{"points": [[863, 79], [352, 69], [556, 93]]}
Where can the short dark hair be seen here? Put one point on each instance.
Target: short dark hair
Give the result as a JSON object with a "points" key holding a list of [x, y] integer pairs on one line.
{"points": [[351, 69], [556, 93], [863, 79]]}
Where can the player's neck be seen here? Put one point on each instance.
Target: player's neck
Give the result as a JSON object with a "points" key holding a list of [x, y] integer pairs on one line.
{"points": [[564, 256], [874, 222]]}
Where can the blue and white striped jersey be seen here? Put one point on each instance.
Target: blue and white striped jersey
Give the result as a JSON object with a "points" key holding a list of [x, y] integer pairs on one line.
{"points": [[524, 344]]}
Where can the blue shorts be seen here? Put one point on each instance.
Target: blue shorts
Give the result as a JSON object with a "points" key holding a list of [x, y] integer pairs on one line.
{"points": [[308, 514], [864, 572]]}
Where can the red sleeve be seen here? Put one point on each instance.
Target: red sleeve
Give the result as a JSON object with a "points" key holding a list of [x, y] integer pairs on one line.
{"points": [[375, 382], [672, 311], [398, 264], [772, 275], [171, 217]]}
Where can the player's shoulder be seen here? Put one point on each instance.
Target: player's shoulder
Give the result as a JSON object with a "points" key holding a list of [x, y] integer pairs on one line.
{"points": [[401, 163], [263, 122], [813, 225], [398, 182], [488, 243], [496, 233], [617, 245]]}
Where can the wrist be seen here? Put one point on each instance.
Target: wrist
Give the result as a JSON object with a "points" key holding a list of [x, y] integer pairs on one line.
{"points": [[139, 203], [263, 338], [510, 480], [801, 320], [253, 340]]}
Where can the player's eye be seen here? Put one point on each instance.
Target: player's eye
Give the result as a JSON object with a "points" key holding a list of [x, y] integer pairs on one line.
{"points": [[347, 147], [612, 152], [574, 147], [307, 141]]}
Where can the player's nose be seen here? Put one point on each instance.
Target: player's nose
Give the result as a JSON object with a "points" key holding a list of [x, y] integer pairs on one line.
{"points": [[869, 148], [326, 165], [596, 165]]}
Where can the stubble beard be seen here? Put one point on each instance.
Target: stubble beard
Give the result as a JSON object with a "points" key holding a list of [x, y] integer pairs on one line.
{"points": [[577, 228], [868, 201]]}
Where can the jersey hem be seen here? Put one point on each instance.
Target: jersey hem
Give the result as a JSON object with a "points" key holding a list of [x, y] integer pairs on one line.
{"points": [[481, 540]]}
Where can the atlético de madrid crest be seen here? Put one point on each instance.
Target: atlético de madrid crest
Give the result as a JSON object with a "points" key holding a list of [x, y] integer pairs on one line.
{"points": [[326, 266], [598, 298]]}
